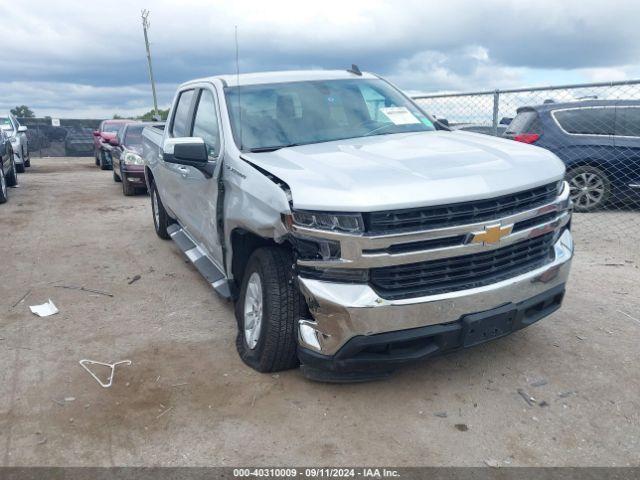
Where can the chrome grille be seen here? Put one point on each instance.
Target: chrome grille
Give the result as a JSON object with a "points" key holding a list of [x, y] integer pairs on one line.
{"points": [[458, 213], [463, 272]]}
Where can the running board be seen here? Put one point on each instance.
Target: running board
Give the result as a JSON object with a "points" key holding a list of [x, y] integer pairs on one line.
{"points": [[203, 264]]}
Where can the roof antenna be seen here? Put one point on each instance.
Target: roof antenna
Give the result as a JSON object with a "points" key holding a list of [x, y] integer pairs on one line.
{"points": [[238, 86], [355, 70]]}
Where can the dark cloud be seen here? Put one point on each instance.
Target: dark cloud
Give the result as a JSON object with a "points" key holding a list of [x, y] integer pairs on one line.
{"points": [[65, 45]]}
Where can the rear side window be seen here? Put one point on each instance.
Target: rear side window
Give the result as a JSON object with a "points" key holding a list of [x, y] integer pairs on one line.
{"points": [[181, 117], [628, 121], [524, 122], [586, 121]]}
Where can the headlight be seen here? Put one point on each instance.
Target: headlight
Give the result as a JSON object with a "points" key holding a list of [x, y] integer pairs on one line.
{"points": [[337, 222], [133, 159]]}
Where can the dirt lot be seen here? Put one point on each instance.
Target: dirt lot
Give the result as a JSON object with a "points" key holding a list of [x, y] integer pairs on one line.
{"points": [[188, 400]]}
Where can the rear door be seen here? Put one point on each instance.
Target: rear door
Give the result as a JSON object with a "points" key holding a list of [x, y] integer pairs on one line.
{"points": [[627, 148], [585, 134], [171, 174], [200, 193]]}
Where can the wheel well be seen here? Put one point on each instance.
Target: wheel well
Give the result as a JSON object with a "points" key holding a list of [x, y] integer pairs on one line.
{"points": [[585, 163], [243, 244], [149, 177]]}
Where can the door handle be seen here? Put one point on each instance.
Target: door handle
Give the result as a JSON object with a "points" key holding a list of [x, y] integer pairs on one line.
{"points": [[184, 170]]}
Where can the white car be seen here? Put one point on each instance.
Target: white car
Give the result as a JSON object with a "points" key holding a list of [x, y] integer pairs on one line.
{"points": [[353, 232], [18, 135]]}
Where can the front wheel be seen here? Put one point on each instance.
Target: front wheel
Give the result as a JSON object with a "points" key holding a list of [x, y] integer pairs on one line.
{"points": [[589, 188], [104, 163], [127, 189], [12, 176], [268, 309], [161, 219], [3, 185]]}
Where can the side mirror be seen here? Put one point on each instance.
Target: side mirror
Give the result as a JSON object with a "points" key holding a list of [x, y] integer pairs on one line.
{"points": [[190, 151], [96, 133], [22, 129], [443, 121]]}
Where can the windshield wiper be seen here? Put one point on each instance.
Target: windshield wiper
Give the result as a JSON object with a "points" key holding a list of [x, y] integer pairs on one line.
{"points": [[272, 149]]}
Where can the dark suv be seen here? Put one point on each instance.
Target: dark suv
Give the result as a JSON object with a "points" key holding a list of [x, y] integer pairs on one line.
{"points": [[598, 140]]}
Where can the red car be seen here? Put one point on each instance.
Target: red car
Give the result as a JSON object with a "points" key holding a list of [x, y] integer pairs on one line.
{"points": [[107, 131]]}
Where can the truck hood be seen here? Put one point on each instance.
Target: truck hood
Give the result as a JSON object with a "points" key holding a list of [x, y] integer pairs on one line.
{"points": [[407, 170]]}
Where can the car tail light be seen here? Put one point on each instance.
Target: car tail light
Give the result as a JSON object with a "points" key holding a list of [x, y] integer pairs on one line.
{"points": [[527, 137]]}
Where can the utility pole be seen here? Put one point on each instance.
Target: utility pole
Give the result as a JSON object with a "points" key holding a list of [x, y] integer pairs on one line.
{"points": [[145, 27]]}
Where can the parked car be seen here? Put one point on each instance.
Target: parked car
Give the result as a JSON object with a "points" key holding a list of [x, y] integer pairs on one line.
{"points": [[37, 139], [19, 142], [8, 170], [598, 140], [102, 150], [78, 142], [353, 233], [126, 156]]}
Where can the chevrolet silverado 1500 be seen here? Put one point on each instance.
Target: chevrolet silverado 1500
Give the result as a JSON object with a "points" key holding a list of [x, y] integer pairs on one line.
{"points": [[353, 231]]}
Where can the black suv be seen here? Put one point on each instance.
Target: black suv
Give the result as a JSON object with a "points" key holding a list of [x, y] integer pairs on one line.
{"points": [[598, 140]]}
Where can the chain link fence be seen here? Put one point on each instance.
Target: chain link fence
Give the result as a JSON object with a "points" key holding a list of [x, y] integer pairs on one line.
{"points": [[593, 128], [67, 138]]}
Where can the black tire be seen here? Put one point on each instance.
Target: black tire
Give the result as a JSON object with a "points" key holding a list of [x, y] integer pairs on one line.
{"points": [[104, 165], [4, 195], [12, 175], [27, 159], [598, 189], [19, 168], [162, 220], [116, 178], [95, 154], [128, 189], [282, 306]]}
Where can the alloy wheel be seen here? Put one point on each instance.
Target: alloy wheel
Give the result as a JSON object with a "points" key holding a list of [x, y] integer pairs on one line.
{"points": [[155, 208], [253, 310], [587, 190]]}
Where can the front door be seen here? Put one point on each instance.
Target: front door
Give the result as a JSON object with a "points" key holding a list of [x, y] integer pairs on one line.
{"points": [[200, 193]]}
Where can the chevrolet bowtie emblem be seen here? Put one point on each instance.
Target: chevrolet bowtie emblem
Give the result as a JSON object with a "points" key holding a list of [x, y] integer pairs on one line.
{"points": [[491, 234]]}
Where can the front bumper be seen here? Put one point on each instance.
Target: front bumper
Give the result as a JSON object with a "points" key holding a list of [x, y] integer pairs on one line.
{"points": [[134, 174], [344, 312]]}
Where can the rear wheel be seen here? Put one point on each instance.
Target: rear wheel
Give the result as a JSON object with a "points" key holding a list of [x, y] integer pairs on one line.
{"points": [[161, 219], [268, 310], [589, 188], [116, 178], [12, 175]]}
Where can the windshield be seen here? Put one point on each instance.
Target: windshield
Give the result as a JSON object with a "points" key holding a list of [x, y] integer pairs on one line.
{"points": [[6, 125], [112, 127], [298, 113], [133, 136]]}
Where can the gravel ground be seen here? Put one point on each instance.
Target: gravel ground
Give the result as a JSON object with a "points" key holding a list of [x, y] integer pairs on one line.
{"points": [[187, 399]]}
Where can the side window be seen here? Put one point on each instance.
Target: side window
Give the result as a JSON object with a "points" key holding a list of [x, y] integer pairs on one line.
{"points": [[181, 117], [587, 121], [205, 124], [628, 121]]}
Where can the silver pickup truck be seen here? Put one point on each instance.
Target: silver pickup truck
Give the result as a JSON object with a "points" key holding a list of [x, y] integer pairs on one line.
{"points": [[354, 232]]}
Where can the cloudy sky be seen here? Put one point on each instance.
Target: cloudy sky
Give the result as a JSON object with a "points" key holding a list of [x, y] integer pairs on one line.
{"points": [[75, 58]]}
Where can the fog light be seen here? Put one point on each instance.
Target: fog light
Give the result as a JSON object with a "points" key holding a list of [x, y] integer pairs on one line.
{"points": [[308, 335]]}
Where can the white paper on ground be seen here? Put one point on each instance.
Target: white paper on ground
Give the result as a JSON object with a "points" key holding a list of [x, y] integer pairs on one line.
{"points": [[45, 309], [400, 115]]}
